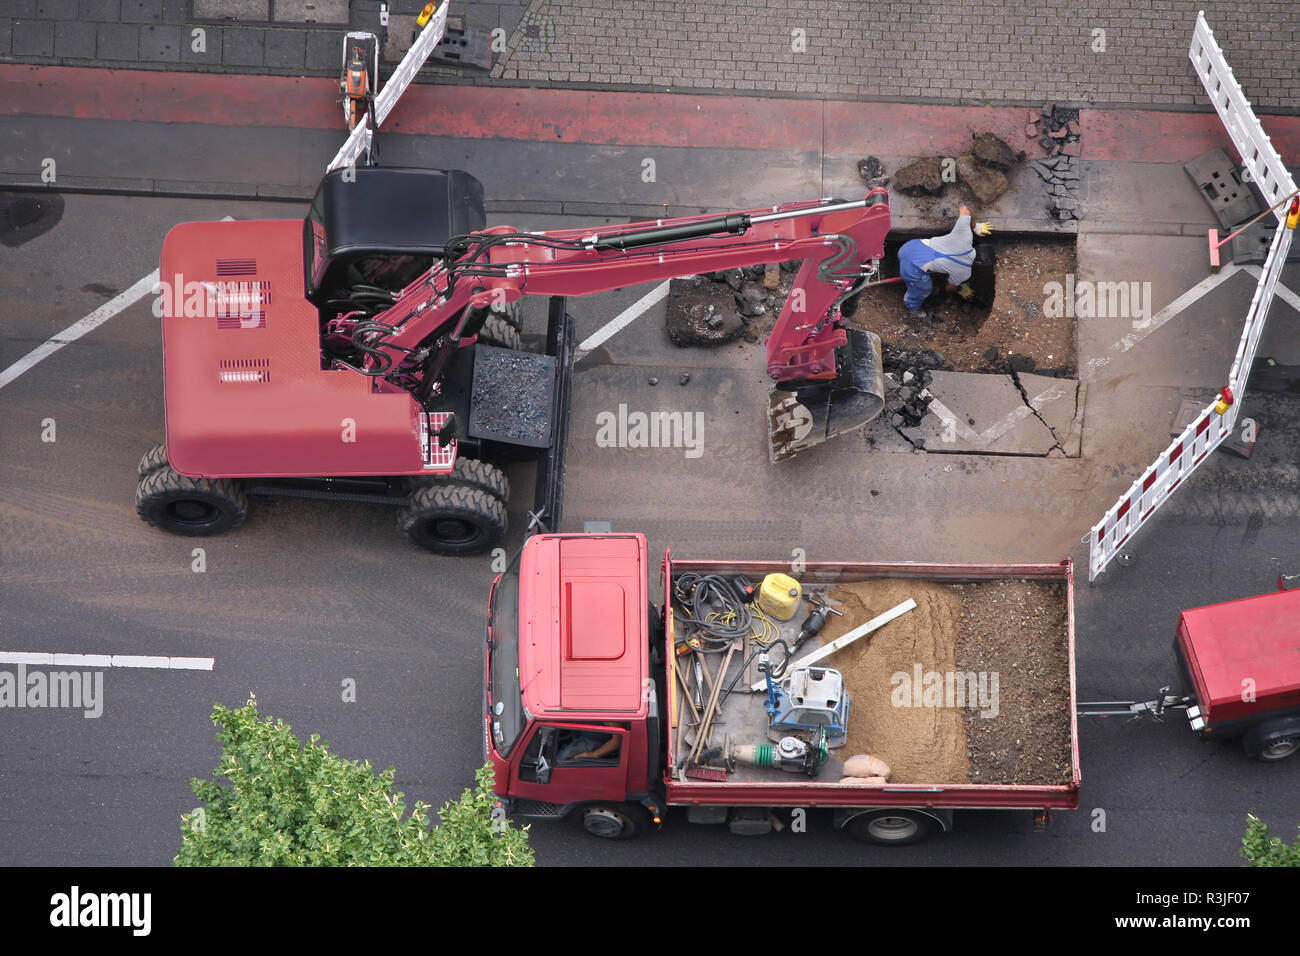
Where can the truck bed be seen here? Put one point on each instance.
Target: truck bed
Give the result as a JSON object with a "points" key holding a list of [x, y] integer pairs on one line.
{"points": [[744, 720]]}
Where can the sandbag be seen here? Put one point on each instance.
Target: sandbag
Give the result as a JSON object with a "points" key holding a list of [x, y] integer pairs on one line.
{"points": [[862, 781], [864, 765]]}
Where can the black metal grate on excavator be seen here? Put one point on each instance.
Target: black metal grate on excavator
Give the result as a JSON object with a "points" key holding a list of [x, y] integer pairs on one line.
{"points": [[512, 397]]}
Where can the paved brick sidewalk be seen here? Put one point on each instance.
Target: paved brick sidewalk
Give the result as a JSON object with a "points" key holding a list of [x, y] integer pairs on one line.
{"points": [[962, 51], [954, 50], [293, 37]]}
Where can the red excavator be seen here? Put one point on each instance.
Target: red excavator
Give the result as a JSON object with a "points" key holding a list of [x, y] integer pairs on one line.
{"points": [[371, 351]]}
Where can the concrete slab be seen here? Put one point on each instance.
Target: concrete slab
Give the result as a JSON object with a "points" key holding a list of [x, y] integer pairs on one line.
{"points": [[986, 414], [401, 34], [311, 11], [1053, 399], [1154, 340], [1144, 193], [246, 11]]}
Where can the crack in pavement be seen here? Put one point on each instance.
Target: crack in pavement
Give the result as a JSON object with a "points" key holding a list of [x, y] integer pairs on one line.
{"points": [[1058, 445]]}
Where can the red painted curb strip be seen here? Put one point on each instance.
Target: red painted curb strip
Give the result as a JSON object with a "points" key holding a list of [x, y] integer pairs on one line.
{"points": [[605, 118]]}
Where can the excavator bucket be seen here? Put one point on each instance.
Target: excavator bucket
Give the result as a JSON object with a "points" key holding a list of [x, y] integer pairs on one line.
{"points": [[811, 414]]}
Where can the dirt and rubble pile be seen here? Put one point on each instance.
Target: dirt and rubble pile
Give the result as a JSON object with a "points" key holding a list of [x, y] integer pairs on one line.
{"points": [[912, 399], [1017, 630], [697, 316], [921, 178], [980, 171]]}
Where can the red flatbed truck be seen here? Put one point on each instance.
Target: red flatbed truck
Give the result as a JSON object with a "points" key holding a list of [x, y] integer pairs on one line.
{"points": [[574, 646]]}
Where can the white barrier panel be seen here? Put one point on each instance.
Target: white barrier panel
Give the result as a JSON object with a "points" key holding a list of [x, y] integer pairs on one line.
{"points": [[429, 38], [1200, 438], [1256, 149], [1259, 305], [1156, 485], [358, 143], [1210, 428]]}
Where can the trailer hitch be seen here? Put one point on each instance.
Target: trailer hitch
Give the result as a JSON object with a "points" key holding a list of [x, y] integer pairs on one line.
{"points": [[1134, 709]]}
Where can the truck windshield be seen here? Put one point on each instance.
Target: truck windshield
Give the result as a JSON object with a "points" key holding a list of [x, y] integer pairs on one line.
{"points": [[503, 664]]}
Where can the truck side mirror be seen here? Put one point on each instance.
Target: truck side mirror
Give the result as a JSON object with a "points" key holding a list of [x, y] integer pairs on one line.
{"points": [[546, 755]]}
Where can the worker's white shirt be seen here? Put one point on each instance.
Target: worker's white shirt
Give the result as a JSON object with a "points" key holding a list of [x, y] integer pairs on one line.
{"points": [[960, 245]]}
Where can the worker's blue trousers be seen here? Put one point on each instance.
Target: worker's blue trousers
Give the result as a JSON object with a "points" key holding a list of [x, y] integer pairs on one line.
{"points": [[911, 257]]}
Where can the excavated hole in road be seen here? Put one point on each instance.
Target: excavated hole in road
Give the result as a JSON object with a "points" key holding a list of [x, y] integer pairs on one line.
{"points": [[1013, 330]]}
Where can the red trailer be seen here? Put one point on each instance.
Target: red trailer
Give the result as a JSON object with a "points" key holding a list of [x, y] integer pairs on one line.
{"points": [[1241, 662], [576, 652]]}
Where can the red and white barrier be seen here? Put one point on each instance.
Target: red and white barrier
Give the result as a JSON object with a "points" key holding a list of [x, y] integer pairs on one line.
{"points": [[1136, 506]]}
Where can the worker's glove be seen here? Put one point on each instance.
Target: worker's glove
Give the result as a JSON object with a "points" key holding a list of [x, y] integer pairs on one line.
{"points": [[983, 229], [965, 291]]}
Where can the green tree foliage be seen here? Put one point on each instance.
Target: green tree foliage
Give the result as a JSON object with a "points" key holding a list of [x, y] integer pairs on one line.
{"points": [[286, 804], [1257, 847]]}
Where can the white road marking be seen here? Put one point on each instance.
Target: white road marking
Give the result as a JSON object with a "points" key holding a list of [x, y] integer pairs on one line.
{"points": [[79, 328], [1279, 290], [624, 318], [1001, 427], [1142, 329], [123, 300], [107, 660]]}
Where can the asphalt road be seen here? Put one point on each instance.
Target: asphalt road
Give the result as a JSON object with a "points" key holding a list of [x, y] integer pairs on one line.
{"points": [[308, 595]]}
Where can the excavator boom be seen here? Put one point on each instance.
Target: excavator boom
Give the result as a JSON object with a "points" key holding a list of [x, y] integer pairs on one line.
{"points": [[826, 379]]}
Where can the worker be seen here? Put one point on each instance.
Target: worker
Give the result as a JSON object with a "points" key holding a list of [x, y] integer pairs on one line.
{"points": [[951, 256], [590, 745]]}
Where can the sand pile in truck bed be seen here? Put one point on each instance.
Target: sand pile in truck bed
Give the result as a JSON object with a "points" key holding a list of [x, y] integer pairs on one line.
{"points": [[920, 744]]}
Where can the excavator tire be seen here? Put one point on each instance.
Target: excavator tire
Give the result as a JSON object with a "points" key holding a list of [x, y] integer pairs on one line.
{"points": [[154, 458], [511, 314], [195, 507], [453, 518], [473, 472], [499, 332]]}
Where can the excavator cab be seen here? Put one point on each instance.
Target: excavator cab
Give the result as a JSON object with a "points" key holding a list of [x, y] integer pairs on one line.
{"points": [[372, 230]]}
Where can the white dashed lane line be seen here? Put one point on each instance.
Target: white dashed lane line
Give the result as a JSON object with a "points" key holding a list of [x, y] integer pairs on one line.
{"points": [[107, 660]]}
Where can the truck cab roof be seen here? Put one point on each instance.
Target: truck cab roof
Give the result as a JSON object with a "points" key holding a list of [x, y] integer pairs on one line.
{"points": [[584, 631], [1256, 639]]}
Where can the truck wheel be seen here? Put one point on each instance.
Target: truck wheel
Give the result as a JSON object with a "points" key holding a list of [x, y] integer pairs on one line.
{"points": [[1270, 745], [497, 331], [453, 518], [613, 821], [154, 458], [510, 314], [190, 506], [891, 827], [469, 471]]}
